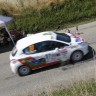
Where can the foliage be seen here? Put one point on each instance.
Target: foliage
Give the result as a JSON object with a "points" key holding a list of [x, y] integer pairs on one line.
{"points": [[55, 16]]}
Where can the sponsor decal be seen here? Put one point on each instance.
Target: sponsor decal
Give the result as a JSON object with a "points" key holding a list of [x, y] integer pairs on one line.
{"points": [[38, 62], [26, 61], [31, 61], [52, 57], [35, 64], [73, 46], [78, 40], [63, 52]]}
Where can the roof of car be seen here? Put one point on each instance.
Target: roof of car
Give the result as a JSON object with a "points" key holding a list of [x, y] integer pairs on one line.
{"points": [[35, 38]]}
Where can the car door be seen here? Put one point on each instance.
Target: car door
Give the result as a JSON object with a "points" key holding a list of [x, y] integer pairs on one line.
{"points": [[44, 54], [50, 51], [47, 50]]}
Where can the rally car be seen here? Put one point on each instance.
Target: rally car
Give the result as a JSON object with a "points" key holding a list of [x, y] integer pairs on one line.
{"points": [[45, 49]]}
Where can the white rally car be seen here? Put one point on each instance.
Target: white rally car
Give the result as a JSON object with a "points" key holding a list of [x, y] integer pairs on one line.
{"points": [[45, 49]]}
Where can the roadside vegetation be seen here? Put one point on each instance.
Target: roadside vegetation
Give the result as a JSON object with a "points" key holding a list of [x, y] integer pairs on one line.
{"points": [[79, 89], [55, 15]]}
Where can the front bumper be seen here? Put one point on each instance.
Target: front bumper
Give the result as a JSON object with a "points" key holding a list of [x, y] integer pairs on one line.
{"points": [[14, 67], [84, 48]]}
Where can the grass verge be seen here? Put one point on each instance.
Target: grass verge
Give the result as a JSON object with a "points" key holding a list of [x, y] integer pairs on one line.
{"points": [[79, 89]]}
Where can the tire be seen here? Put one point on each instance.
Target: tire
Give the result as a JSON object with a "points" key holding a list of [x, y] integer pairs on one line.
{"points": [[24, 70], [77, 56]]}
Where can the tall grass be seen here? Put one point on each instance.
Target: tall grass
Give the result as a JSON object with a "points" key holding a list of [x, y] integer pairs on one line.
{"points": [[18, 5], [79, 89]]}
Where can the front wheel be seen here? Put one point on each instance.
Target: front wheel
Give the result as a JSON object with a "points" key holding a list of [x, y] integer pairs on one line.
{"points": [[24, 70], [76, 56]]}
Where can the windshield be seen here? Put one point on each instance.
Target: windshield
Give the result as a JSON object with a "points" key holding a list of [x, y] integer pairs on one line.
{"points": [[63, 37], [14, 51]]}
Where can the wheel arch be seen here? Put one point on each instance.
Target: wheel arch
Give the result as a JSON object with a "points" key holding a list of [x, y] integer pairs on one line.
{"points": [[22, 66], [74, 52]]}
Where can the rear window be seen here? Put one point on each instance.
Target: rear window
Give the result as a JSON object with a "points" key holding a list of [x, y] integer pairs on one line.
{"points": [[14, 51], [63, 37]]}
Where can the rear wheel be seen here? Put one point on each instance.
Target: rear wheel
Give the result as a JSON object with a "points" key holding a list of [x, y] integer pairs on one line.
{"points": [[76, 56], [24, 70]]}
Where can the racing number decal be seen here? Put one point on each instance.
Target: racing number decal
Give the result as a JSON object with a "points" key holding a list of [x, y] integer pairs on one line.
{"points": [[53, 57]]}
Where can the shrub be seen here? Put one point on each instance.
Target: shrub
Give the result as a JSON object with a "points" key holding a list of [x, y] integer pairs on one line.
{"points": [[55, 16]]}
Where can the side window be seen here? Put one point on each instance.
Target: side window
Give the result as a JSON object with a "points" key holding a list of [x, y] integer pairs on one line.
{"points": [[57, 44], [43, 47], [48, 46], [30, 49], [40, 47]]}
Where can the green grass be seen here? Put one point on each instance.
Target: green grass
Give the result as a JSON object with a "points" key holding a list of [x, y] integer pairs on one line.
{"points": [[61, 15], [79, 89]]}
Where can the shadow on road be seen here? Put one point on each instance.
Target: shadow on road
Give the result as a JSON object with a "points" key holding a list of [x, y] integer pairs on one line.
{"points": [[6, 48], [90, 55], [45, 69]]}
